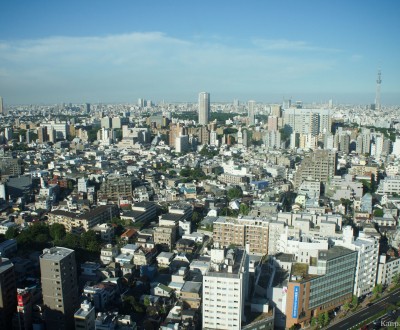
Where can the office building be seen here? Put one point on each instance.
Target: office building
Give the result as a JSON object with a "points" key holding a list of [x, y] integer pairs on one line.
{"points": [[320, 286], [204, 108], [85, 317], [59, 287], [182, 144], [225, 289], [252, 112], [2, 110], [8, 293], [87, 107]]}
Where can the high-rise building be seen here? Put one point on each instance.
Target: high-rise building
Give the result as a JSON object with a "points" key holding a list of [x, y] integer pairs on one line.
{"points": [[23, 317], [225, 288], [8, 293], [308, 121], [85, 317], [251, 112], [59, 287], [2, 112], [42, 134], [87, 107], [318, 165], [204, 108]]}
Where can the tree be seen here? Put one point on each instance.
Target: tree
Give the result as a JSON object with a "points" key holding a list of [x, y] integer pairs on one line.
{"points": [[326, 319], [235, 192], [244, 209], [12, 232], [377, 290], [354, 301], [346, 306], [57, 231], [396, 279], [378, 213], [146, 301], [321, 319], [313, 321]]}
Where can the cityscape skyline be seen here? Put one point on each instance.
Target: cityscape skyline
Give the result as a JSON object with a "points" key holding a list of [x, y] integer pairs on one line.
{"points": [[312, 51]]}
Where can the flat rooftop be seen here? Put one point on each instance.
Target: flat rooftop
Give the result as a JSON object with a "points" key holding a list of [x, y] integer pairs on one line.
{"points": [[56, 253]]}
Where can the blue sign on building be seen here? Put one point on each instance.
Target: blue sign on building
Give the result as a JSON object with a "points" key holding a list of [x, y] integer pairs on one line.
{"points": [[295, 309]]}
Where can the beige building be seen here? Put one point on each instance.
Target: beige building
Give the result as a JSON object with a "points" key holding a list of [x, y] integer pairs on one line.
{"points": [[241, 232], [77, 222], [319, 165], [59, 287], [165, 236]]}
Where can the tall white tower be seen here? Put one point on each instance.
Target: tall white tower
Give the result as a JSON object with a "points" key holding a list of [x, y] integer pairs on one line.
{"points": [[251, 112], [204, 108], [378, 92]]}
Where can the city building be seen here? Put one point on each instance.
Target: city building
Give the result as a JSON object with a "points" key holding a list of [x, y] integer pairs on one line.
{"points": [[2, 110], [242, 232], [225, 289], [59, 287], [8, 293], [85, 317], [204, 108], [319, 165], [321, 286], [251, 112]]}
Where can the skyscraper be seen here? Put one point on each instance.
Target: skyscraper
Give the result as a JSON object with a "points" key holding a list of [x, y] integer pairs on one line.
{"points": [[251, 112], [59, 287], [2, 112], [204, 108]]}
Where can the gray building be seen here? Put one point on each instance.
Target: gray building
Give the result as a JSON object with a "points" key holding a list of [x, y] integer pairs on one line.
{"points": [[59, 287], [8, 293], [204, 108]]}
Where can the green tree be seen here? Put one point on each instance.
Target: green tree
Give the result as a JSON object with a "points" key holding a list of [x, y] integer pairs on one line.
{"points": [[346, 306], [378, 213], [244, 209], [234, 193], [146, 301], [377, 290], [326, 319], [396, 279], [57, 231], [313, 321], [354, 301], [12, 232], [321, 319]]}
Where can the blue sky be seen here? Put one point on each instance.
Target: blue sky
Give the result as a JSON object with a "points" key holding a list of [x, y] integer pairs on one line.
{"points": [[118, 51]]}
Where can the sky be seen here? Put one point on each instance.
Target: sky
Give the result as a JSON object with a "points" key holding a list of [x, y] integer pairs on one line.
{"points": [[119, 51]]}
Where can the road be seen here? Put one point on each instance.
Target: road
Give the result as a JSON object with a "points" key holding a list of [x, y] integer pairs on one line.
{"points": [[367, 312]]}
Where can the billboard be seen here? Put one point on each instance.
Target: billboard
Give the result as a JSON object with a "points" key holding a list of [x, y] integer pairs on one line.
{"points": [[295, 309]]}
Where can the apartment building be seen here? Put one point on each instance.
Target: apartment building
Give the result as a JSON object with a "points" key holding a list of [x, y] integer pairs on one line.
{"points": [[244, 231], [225, 290], [319, 165], [59, 287], [8, 293]]}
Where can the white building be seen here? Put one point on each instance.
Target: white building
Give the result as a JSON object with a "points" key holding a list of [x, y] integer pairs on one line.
{"points": [[182, 144], [367, 261], [204, 108], [252, 112], [387, 269], [389, 185], [225, 290]]}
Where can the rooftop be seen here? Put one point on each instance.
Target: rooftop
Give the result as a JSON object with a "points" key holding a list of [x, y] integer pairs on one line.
{"points": [[56, 253]]}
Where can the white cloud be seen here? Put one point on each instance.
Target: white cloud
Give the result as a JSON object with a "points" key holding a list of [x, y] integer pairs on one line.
{"points": [[290, 45], [152, 64]]}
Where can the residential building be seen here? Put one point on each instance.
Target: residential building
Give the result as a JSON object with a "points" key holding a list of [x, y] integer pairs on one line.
{"points": [[85, 317], [318, 165], [244, 231], [367, 249], [59, 287], [204, 108], [388, 268], [8, 293], [225, 290], [251, 112]]}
